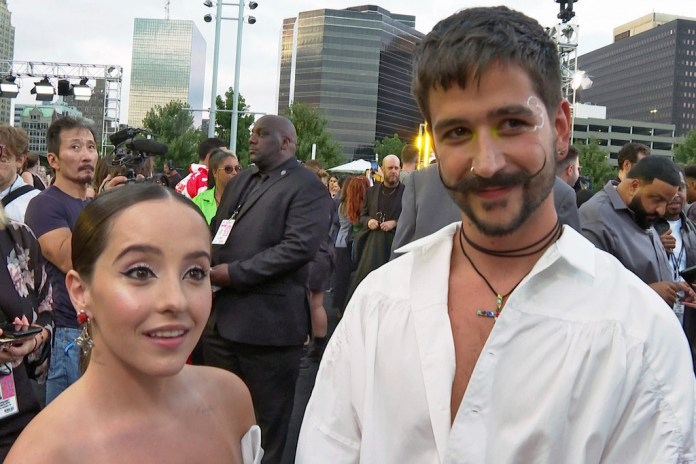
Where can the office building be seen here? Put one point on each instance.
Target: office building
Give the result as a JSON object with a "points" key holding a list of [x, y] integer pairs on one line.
{"points": [[35, 120], [168, 64], [355, 66], [7, 36], [648, 74]]}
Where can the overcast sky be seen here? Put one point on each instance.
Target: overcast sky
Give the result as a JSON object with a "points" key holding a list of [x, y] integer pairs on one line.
{"points": [[101, 32]]}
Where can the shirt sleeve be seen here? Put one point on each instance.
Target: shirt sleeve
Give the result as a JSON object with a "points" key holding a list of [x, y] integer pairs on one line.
{"points": [[44, 214], [331, 427]]}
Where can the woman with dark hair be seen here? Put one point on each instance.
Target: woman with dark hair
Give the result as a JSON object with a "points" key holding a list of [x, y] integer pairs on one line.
{"points": [[25, 298], [140, 283], [334, 186], [222, 168], [352, 197], [30, 171]]}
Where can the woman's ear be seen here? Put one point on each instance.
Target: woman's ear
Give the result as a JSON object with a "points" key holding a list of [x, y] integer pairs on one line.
{"points": [[79, 292]]}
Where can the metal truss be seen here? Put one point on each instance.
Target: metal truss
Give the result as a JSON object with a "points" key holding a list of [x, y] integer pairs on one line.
{"points": [[112, 75]]}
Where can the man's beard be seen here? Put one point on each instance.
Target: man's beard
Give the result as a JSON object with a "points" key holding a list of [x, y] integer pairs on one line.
{"points": [[535, 189], [644, 219]]}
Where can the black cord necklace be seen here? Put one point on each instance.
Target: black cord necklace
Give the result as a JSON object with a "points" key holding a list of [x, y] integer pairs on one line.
{"points": [[500, 298], [535, 247]]}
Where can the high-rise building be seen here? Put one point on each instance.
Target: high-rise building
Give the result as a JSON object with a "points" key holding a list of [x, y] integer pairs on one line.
{"points": [[355, 66], [7, 35], [648, 74], [168, 64]]}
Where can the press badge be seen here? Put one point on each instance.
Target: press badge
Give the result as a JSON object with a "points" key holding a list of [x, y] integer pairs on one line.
{"points": [[223, 232], [8, 394]]}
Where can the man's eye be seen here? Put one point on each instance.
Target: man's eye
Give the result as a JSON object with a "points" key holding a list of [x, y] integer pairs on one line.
{"points": [[514, 124], [457, 133]]}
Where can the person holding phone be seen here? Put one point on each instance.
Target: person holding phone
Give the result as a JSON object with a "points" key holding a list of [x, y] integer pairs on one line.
{"points": [[25, 306], [140, 283]]}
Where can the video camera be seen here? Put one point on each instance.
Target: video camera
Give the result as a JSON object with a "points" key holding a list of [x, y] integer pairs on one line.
{"points": [[132, 148]]}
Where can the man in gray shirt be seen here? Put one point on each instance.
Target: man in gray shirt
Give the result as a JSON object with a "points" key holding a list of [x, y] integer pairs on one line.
{"points": [[619, 218]]}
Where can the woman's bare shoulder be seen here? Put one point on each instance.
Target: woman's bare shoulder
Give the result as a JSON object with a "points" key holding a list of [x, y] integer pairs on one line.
{"points": [[51, 435], [229, 392]]}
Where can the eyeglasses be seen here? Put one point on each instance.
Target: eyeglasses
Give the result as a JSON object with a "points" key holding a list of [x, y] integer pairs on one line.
{"points": [[230, 169]]}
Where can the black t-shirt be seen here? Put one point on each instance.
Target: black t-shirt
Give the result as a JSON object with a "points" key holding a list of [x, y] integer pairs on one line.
{"points": [[50, 210]]}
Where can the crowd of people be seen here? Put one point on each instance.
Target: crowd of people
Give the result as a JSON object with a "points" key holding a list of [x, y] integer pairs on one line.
{"points": [[488, 313]]}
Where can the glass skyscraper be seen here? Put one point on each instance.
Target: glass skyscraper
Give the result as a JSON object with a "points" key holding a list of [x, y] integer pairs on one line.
{"points": [[7, 36], [354, 65], [168, 64]]}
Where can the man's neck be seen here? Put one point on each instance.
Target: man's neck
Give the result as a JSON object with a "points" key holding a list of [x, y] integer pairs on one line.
{"points": [[539, 224], [74, 189], [390, 185]]}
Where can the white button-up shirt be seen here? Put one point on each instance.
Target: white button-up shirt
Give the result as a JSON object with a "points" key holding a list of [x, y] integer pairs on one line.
{"points": [[586, 364]]}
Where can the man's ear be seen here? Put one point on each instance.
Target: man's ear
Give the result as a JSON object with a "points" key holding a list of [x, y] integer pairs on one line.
{"points": [[634, 186], [626, 166], [79, 292], [562, 126], [52, 159]]}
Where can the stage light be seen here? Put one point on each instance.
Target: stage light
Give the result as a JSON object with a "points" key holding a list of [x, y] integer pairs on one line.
{"points": [[208, 3], [8, 87], [82, 91], [207, 18], [44, 90], [253, 5], [251, 20], [64, 89]]}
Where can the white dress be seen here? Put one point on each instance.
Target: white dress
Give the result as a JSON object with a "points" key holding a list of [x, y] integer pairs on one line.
{"points": [[251, 446]]}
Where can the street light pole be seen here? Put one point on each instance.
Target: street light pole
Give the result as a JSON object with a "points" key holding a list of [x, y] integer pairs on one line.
{"points": [[237, 62], [216, 59]]}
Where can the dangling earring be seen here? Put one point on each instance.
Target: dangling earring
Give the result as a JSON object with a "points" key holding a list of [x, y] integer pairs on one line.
{"points": [[84, 340]]}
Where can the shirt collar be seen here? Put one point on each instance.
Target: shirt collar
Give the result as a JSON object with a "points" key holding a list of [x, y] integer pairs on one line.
{"points": [[18, 182], [571, 247]]}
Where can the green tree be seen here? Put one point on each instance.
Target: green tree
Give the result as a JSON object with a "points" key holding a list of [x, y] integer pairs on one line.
{"points": [[594, 162], [223, 123], [389, 146], [311, 129], [173, 125], [685, 151]]}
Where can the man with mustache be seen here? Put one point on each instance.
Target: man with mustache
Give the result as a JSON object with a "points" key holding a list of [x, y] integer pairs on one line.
{"points": [[619, 218], [51, 215], [506, 337]]}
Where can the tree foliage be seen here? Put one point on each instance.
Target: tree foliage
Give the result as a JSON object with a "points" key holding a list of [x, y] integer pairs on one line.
{"points": [[389, 146], [223, 123], [311, 129], [594, 162], [173, 125], [685, 151]]}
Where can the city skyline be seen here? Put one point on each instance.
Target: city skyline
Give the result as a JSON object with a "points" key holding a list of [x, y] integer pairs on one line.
{"points": [[87, 37]]}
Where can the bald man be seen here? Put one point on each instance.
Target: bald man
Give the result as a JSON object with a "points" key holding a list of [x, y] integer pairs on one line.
{"points": [[267, 229], [380, 211]]}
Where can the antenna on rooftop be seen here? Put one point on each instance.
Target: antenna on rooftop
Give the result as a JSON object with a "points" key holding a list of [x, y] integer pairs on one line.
{"points": [[166, 10]]}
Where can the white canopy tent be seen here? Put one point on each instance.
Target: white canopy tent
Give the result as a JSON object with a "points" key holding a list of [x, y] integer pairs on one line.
{"points": [[357, 166]]}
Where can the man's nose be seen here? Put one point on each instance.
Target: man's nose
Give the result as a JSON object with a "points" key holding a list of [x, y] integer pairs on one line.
{"points": [[487, 159]]}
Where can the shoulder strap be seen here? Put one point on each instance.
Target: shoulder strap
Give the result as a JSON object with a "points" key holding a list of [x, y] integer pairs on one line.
{"points": [[14, 194]]}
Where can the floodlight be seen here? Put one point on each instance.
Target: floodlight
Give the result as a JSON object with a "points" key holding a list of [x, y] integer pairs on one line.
{"points": [[253, 5], [8, 87], [251, 20], [82, 91], [44, 90], [208, 3], [207, 18]]}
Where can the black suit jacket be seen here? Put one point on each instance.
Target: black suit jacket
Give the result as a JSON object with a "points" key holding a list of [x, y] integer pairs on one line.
{"points": [[277, 232]]}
